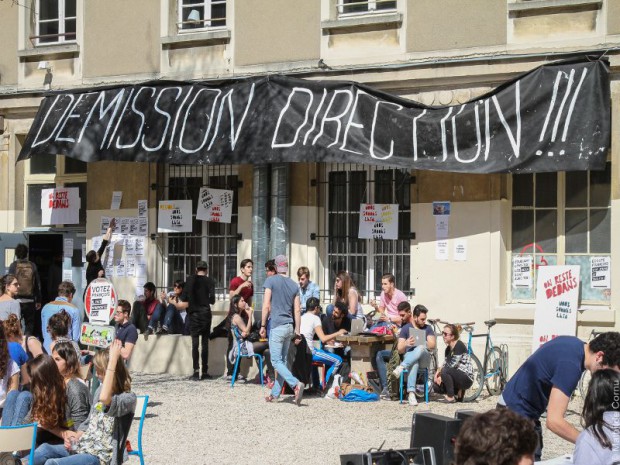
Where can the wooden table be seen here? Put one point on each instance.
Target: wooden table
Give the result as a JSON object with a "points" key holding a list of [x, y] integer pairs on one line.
{"points": [[364, 349]]}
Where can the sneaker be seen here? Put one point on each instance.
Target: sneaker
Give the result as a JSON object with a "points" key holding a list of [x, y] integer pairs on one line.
{"points": [[206, 376], [398, 370], [299, 393], [164, 330], [149, 331], [412, 399], [385, 395], [195, 376]]}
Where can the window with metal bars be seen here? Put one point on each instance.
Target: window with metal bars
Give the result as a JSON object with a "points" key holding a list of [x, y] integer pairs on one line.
{"points": [[562, 218], [216, 243], [366, 260]]}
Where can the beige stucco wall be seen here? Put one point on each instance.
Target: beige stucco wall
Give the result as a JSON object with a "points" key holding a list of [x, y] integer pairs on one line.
{"points": [[456, 24], [8, 39], [613, 16], [121, 38], [274, 31], [133, 179]]}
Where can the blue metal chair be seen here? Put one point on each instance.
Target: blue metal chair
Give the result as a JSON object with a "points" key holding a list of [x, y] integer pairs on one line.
{"points": [[259, 357], [402, 380], [21, 437], [140, 413]]}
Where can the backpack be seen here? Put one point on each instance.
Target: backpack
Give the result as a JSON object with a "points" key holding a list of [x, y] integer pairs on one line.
{"points": [[24, 272]]}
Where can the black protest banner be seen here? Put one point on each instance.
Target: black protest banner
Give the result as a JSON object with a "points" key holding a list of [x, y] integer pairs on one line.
{"points": [[554, 118]]}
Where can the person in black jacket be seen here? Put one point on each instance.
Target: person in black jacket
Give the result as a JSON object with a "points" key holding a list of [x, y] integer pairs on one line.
{"points": [[95, 268], [200, 293]]}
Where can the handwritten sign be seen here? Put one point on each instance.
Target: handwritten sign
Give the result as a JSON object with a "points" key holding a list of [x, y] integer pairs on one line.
{"points": [[174, 216], [60, 206], [378, 221], [100, 301], [214, 205], [600, 272], [557, 295], [522, 271], [97, 335], [142, 208]]}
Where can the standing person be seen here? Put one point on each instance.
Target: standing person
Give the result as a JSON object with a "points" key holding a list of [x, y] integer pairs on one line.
{"points": [[389, 300], [8, 305], [307, 289], [239, 285], [457, 373], [200, 293], [126, 332], [281, 304], [66, 291], [547, 379], [95, 268], [29, 291]]}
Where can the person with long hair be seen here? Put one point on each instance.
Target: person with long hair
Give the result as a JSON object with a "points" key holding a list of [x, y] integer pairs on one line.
{"points": [[78, 396], [240, 319], [58, 328], [21, 348], [457, 373], [101, 438], [601, 419], [345, 291], [9, 371], [8, 290]]}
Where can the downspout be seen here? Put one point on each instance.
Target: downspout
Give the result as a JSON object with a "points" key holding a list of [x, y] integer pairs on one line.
{"points": [[260, 230], [279, 243]]}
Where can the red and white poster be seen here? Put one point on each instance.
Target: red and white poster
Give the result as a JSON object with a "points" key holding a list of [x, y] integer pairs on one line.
{"points": [[557, 300], [100, 301], [214, 205], [60, 206]]}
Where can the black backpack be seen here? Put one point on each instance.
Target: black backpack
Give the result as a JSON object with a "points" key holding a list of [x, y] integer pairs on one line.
{"points": [[24, 272]]}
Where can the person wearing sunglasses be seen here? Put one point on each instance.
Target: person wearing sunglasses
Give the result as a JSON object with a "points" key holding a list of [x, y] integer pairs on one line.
{"points": [[126, 332], [8, 304], [457, 373]]}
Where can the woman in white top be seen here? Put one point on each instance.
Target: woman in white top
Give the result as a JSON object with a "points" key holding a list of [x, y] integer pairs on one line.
{"points": [[8, 304], [345, 291]]}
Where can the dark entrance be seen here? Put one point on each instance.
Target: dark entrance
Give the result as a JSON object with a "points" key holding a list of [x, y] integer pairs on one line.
{"points": [[46, 251]]}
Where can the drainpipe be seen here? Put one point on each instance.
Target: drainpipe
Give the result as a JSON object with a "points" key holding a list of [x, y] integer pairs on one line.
{"points": [[279, 243], [260, 230]]}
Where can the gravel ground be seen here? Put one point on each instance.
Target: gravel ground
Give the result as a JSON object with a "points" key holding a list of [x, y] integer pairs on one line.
{"points": [[207, 422]]}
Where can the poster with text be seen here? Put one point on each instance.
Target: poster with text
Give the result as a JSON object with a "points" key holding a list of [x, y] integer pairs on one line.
{"points": [[600, 272], [557, 300], [60, 206], [522, 271], [378, 221], [441, 250], [174, 216], [214, 205], [460, 250]]}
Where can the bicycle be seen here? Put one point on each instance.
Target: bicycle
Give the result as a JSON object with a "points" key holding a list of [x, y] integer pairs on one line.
{"points": [[494, 371]]}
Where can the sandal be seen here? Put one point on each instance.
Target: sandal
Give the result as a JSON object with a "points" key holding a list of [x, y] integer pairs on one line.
{"points": [[270, 398]]}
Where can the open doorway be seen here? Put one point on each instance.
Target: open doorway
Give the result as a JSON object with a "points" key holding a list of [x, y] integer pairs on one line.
{"points": [[46, 251]]}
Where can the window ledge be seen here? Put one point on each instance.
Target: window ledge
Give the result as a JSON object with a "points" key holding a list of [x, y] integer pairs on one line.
{"points": [[41, 51], [545, 6], [390, 19], [599, 314], [221, 35]]}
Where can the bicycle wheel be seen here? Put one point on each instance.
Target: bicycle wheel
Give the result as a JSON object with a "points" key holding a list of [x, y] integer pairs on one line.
{"points": [[476, 388], [494, 374]]}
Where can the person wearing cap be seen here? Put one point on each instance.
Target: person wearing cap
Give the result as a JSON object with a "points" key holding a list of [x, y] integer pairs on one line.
{"points": [[199, 292], [311, 325], [281, 304]]}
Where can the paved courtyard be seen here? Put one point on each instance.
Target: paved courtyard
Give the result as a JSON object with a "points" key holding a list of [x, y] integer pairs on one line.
{"points": [[207, 422]]}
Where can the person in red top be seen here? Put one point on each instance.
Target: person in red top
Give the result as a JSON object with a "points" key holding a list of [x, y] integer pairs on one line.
{"points": [[240, 285]]}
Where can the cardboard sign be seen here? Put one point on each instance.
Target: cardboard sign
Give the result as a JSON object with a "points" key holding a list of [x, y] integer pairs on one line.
{"points": [[214, 205], [174, 216], [97, 335], [60, 206], [100, 301], [378, 221], [557, 295]]}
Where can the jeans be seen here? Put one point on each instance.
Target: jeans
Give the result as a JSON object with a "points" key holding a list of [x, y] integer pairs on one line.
{"points": [[48, 451], [412, 361], [157, 315], [382, 359], [77, 459], [332, 360], [172, 320], [16, 407], [280, 339]]}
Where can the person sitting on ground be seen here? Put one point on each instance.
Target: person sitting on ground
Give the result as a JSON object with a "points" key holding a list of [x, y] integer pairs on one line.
{"points": [[101, 439], [389, 300], [9, 371], [8, 290], [176, 310], [240, 319], [345, 291], [496, 438], [414, 354], [457, 373], [311, 325], [58, 328], [66, 291], [598, 442], [95, 268], [126, 332], [153, 308]]}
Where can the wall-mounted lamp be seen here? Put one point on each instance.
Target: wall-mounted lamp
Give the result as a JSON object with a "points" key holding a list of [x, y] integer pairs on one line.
{"points": [[194, 16]]}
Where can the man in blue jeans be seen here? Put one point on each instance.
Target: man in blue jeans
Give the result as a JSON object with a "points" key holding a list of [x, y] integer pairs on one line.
{"points": [[414, 354], [281, 305]]}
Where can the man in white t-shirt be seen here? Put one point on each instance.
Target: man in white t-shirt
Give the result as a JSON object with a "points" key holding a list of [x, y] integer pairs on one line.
{"points": [[311, 325], [389, 300]]}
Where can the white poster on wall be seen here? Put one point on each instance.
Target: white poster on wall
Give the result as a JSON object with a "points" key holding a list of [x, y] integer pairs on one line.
{"points": [[214, 205], [460, 250], [60, 206], [522, 271], [117, 197], [142, 208], [174, 216], [378, 221], [600, 272], [557, 296], [68, 248], [441, 250]]}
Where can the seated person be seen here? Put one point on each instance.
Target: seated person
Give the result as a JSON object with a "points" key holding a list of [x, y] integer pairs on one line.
{"points": [[175, 316], [414, 354], [597, 443], [58, 328], [497, 437], [146, 313], [311, 325], [126, 332], [332, 325], [457, 373]]}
